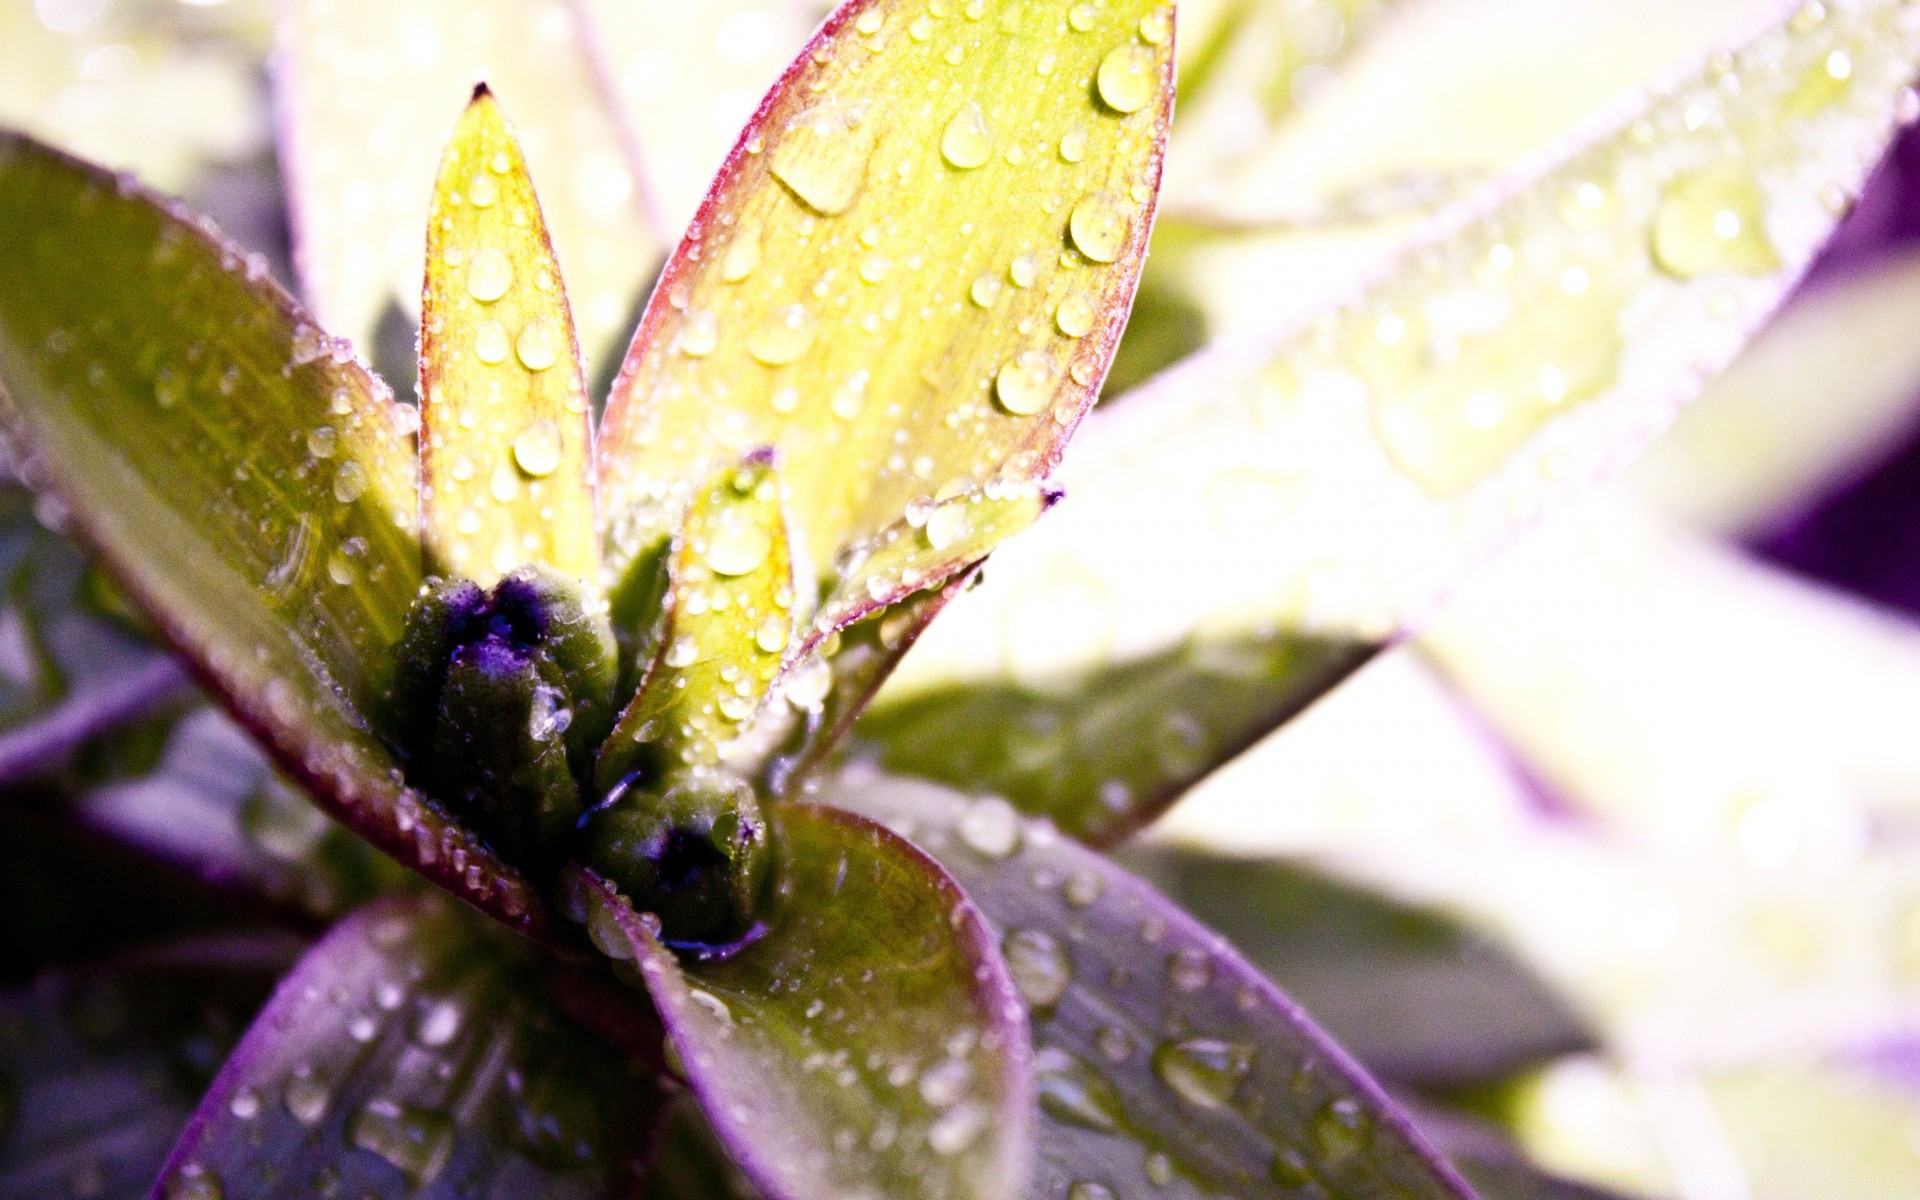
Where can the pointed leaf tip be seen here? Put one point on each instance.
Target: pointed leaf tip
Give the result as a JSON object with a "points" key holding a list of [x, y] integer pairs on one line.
{"points": [[870, 1044], [504, 430], [922, 239]]}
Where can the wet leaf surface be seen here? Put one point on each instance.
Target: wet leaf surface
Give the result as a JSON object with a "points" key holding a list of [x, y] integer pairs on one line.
{"points": [[366, 97], [870, 1043], [1336, 481], [504, 437], [100, 1066], [908, 280], [412, 1053], [238, 471], [1166, 1064]]}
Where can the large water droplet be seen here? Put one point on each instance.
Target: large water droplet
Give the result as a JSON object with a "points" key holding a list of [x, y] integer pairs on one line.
{"points": [[1128, 77], [1073, 1093], [1098, 227], [1040, 965], [194, 1182], [489, 275], [536, 449], [1341, 1129], [349, 482], [414, 1140], [991, 826], [742, 257], [699, 335], [783, 337], [1202, 1071], [538, 346], [1023, 385], [822, 157], [490, 343], [1074, 317], [737, 544], [307, 1096], [966, 143], [1713, 220]]}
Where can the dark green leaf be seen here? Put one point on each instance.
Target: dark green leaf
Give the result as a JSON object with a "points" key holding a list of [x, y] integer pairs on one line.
{"points": [[1166, 1064], [413, 1053], [100, 1068], [870, 1043], [249, 483]]}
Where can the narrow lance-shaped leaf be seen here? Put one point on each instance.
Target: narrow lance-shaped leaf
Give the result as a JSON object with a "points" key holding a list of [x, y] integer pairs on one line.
{"points": [[412, 1053], [908, 280], [729, 616], [870, 1043], [237, 470], [1334, 482], [365, 96], [1166, 1064], [504, 440]]}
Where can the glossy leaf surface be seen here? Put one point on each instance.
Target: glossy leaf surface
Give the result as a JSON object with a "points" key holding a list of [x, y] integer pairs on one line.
{"points": [[908, 278], [366, 97], [1166, 1064], [870, 1043], [103, 1065], [728, 619], [411, 1053], [236, 469], [1419, 996], [1335, 481], [504, 439]]}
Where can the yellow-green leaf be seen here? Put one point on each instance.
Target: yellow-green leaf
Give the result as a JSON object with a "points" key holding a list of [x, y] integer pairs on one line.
{"points": [[505, 444], [1336, 480], [240, 473], [366, 93], [727, 626], [909, 276]]}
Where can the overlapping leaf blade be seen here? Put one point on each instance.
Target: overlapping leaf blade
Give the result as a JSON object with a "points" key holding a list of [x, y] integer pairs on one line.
{"points": [[870, 1043], [1167, 1064], [1335, 481], [366, 96], [411, 1053], [243, 477], [908, 280]]}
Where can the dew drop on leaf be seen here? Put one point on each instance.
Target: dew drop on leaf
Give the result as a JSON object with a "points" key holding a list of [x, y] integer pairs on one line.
{"points": [[194, 1182], [1022, 384], [1074, 317], [538, 346], [1127, 78], [966, 143], [1713, 220], [700, 335], [991, 827], [783, 336], [1098, 227], [1341, 1129], [738, 544], [1084, 1189], [1040, 965], [490, 343], [415, 1141], [489, 275], [536, 449], [307, 1096], [1202, 1071], [349, 482]]}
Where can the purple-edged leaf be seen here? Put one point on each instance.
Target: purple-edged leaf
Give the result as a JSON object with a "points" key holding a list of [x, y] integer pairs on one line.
{"points": [[366, 93], [1417, 995], [1166, 1064], [413, 1053], [908, 280], [1336, 480], [869, 1043], [67, 669], [247, 481], [100, 1067], [214, 806]]}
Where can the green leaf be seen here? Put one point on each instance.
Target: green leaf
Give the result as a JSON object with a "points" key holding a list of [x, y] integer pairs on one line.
{"points": [[869, 1043], [412, 1053], [1418, 995], [1336, 481], [1167, 1065], [728, 617], [100, 1066], [690, 1163], [366, 95], [504, 436], [242, 476], [908, 280]]}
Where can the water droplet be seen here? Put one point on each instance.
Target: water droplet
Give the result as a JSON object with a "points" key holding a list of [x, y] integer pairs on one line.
{"points": [[349, 482], [194, 1182], [771, 635], [490, 343], [1129, 76], [1341, 1129], [245, 1105], [322, 441], [536, 449], [1041, 966], [991, 827], [167, 388], [415, 1141], [783, 337], [1157, 26], [822, 159], [483, 191], [742, 257], [1289, 1168], [943, 1083], [1023, 385], [874, 268], [737, 544], [1713, 220], [948, 524], [958, 1128], [1024, 271], [1073, 146], [1073, 1093], [699, 335], [1202, 1071], [1159, 1169], [682, 652], [1098, 227], [1189, 970], [548, 716], [439, 1024], [538, 346], [1083, 888], [1084, 1189], [966, 143], [307, 1097], [489, 275], [1080, 17], [1074, 317], [986, 290], [1113, 1043]]}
